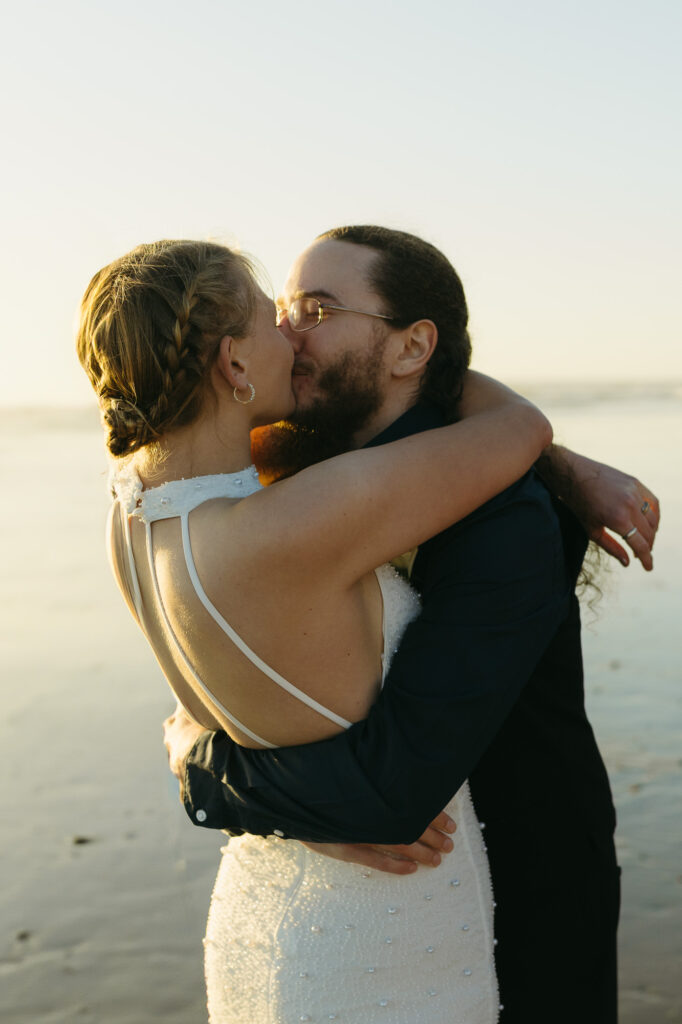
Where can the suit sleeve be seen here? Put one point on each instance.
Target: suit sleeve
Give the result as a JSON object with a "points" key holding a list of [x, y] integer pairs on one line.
{"points": [[495, 590]]}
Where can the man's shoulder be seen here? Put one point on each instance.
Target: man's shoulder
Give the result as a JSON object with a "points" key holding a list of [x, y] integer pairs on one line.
{"points": [[521, 513], [517, 511], [523, 526], [414, 420], [425, 416], [527, 496]]}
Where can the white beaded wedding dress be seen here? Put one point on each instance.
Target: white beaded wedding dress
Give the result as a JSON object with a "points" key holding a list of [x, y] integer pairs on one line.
{"points": [[296, 936]]}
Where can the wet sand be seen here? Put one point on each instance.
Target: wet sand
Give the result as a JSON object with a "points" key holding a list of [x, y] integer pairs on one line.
{"points": [[106, 884]]}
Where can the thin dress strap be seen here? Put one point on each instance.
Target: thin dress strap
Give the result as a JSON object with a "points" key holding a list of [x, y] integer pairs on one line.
{"points": [[243, 647], [187, 663], [177, 499]]}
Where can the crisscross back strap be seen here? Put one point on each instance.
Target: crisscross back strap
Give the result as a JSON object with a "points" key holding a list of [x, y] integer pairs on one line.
{"points": [[177, 499], [266, 669]]}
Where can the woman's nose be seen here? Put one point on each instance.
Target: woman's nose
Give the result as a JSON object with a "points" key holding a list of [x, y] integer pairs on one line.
{"points": [[293, 337]]}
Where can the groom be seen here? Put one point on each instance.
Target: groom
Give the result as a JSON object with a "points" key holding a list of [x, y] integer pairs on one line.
{"points": [[487, 683]]}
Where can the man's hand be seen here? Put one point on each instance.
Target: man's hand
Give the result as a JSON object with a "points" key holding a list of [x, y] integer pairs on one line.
{"points": [[396, 860], [605, 499], [180, 734]]}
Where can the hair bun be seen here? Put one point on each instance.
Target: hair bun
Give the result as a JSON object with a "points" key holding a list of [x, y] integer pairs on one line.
{"points": [[127, 428]]}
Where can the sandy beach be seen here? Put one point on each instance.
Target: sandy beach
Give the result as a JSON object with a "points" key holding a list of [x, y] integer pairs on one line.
{"points": [[105, 882]]}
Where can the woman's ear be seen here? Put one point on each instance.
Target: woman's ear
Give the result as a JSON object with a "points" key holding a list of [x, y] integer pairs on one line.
{"points": [[229, 365], [418, 343]]}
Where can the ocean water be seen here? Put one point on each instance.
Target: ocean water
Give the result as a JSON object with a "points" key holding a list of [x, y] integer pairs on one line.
{"points": [[107, 884]]}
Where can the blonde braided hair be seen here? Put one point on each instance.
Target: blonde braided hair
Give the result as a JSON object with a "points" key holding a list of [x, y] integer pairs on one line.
{"points": [[149, 330]]}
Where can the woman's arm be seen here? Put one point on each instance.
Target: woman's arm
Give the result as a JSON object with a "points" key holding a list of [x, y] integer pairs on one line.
{"points": [[603, 499], [481, 393], [351, 513]]}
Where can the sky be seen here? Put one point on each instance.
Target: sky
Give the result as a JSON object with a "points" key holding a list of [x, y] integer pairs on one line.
{"points": [[536, 143]]}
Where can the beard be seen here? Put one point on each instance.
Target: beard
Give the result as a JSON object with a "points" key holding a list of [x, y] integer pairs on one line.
{"points": [[349, 393]]}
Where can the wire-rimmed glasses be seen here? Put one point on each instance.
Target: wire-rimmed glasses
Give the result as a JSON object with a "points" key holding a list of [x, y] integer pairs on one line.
{"points": [[304, 314]]}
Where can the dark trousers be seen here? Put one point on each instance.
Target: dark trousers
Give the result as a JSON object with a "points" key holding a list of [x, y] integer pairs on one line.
{"points": [[555, 922]]}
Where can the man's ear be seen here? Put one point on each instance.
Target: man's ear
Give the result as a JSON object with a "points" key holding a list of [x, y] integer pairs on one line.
{"points": [[418, 343], [229, 365]]}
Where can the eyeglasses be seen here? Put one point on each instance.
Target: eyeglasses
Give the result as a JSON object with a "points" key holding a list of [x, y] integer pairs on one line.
{"points": [[304, 314]]}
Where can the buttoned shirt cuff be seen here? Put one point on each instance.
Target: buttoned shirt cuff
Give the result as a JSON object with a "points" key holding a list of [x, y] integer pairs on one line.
{"points": [[207, 797], [198, 794]]}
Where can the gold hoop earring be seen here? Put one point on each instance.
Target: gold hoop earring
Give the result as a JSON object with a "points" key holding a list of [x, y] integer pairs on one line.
{"points": [[249, 399]]}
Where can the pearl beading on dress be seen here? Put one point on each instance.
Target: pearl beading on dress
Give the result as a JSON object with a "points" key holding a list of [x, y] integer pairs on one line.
{"points": [[314, 978]]}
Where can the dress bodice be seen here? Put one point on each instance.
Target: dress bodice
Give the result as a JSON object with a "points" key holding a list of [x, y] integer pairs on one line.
{"points": [[401, 605], [178, 497]]}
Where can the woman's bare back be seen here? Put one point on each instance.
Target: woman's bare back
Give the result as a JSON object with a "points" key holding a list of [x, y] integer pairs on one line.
{"points": [[321, 637]]}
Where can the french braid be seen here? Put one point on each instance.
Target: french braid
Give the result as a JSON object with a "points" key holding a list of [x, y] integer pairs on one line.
{"points": [[149, 330], [180, 369]]}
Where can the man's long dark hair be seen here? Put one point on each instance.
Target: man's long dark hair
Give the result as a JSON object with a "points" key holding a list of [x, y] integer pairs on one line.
{"points": [[417, 282]]}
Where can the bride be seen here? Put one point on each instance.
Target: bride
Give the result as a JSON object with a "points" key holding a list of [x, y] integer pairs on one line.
{"points": [[270, 619]]}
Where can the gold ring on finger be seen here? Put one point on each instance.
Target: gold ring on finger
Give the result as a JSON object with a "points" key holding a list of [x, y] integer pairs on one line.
{"points": [[645, 508]]}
